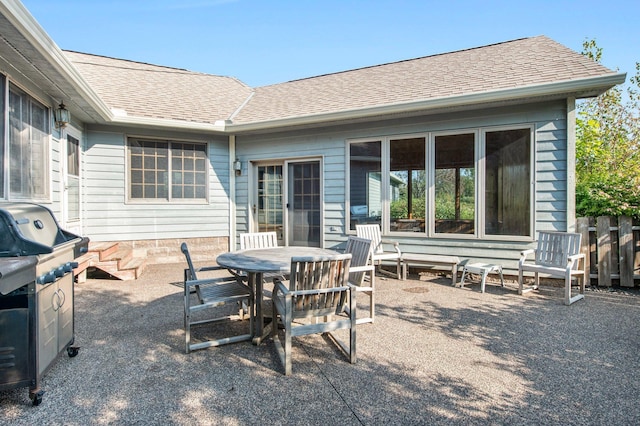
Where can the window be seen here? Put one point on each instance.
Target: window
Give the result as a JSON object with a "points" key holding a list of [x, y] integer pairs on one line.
{"points": [[73, 178], [28, 146], [407, 184], [507, 177], [167, 170], [472, 183], [365, 180], [455, 211]]}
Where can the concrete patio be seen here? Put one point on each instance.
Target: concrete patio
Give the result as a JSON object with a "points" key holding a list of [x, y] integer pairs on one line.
{"points": [[435, 355]]}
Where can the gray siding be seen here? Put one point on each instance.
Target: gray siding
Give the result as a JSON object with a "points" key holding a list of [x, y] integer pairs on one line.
{"points": [[548, 120], [109, 217], [329, 147]]}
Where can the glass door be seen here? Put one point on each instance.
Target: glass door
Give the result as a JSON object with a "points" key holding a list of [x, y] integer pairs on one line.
{"points": [[304, 210], [269, 210], [288, 201]]}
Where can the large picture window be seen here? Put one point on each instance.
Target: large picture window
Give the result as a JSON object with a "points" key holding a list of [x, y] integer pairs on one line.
{"points": [[28, 146], [472, 183], [507, 176], [167, 170]]}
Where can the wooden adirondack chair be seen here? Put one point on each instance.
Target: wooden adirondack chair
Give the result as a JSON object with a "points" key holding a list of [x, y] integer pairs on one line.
{"points": [[380, 251], [557, 254], [362, 272], [211, 293], [315, 299]]}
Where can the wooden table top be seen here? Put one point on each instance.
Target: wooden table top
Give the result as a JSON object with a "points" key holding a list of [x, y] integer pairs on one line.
{"points": [[276, 259]]}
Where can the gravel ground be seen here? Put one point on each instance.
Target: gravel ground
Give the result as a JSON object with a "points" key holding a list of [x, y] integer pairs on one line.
{"points": [[435, 355]]}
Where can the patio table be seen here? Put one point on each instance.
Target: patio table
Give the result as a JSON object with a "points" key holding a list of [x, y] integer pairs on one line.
{"points": [[255, 263]]}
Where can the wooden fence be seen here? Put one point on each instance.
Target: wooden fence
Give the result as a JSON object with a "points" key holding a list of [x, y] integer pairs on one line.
{"points": [[612, 249]]}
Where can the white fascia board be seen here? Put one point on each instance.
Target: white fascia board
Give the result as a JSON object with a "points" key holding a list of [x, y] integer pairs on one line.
{"points": [[596, 84], [217, 127], [20, 17]]}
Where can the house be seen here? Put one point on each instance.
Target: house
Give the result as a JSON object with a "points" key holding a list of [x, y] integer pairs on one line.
{"points": [[467, 153]]}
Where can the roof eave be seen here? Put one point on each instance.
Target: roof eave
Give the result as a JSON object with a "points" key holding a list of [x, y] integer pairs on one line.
{"points": [[579, 88], [169, 124]]}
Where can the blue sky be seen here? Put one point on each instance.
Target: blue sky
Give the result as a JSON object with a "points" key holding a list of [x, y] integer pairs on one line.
{"points": [[263, 42]]}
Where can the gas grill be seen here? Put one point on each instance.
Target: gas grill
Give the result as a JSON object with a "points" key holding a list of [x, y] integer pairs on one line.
{"points": [[37, 259]]}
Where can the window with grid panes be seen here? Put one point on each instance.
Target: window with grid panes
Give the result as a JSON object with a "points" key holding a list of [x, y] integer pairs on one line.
{"points": [[167, 170]]}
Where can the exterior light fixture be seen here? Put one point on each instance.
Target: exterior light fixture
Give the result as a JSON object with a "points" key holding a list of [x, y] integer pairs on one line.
{"points": [[237, 166], [62, 116]]}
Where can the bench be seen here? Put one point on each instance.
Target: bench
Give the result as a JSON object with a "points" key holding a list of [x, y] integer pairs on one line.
{"points": [[432, 260]]}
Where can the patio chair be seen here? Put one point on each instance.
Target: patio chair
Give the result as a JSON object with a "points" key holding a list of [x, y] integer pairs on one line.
{"points": [[557, 254], [257, 240], [316, 299], [211, 293], [362, 272], [372, 232]]}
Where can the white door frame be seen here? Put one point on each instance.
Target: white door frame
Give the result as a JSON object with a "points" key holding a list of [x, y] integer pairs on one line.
{"points": [[72, 225], [286, 181]]}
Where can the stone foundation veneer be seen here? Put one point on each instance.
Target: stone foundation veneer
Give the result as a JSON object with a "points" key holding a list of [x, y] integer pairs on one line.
{"points": [[168, 251]]}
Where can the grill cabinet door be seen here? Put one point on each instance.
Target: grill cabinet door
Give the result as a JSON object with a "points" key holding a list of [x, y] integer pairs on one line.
{"points": [[47, 326], [55, 318]]}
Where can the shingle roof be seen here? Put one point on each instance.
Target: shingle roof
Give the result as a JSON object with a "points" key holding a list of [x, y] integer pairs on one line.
{"points": [[146, 90], [517, 63], [153, 91]]}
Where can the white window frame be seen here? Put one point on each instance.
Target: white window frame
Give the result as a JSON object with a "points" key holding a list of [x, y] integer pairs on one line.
{"points": [[480, 176], [169, 199]]}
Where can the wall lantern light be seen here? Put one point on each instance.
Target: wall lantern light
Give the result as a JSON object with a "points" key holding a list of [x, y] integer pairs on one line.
{"points": [[62, 116], [237, 166]]}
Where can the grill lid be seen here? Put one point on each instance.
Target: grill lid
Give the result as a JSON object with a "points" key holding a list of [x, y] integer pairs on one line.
{"points": [[29, 229]]}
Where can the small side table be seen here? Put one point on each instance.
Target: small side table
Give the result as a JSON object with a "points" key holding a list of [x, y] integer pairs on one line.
{"points": [[483, 269]]}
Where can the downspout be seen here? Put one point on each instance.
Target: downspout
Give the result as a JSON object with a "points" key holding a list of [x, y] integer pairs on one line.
{"points": [[232, 193], [571, 164]]}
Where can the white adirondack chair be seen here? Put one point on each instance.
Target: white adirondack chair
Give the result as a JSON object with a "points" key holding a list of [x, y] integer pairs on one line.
{"points": [[382, 249], [258, 240], [557, 254]]}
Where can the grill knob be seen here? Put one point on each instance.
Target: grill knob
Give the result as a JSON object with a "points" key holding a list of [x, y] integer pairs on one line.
{"points": [[59, 271], [47, 278]]}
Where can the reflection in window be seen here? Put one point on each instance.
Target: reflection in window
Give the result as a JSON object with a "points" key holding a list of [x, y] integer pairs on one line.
{"points": [[365, 183], [455, 184], [269, 214], [28, 146], [407, 185], [507, 193]]}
